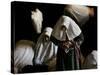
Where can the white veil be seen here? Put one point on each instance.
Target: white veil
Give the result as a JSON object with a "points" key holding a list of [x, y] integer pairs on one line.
{"points": [[45, 50], [72, 29]]}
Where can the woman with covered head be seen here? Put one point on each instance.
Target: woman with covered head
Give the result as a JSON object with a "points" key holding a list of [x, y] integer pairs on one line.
{"points": [[67, 35], [81, 15], [45, 49]]}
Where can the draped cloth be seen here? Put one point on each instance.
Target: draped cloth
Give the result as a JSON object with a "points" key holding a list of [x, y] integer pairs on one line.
{"points": [[45, 49], [23, 54], [91, 61], [78, 13], [67, 59], [72, 29], [37, 19]]}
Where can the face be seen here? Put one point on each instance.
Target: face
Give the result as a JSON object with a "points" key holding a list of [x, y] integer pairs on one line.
{"points": [[46, 38], [63, 33]]}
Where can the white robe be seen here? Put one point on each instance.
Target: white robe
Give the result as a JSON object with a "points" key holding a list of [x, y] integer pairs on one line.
{"points": [[23, 54], [72, 29], [45, 50]]}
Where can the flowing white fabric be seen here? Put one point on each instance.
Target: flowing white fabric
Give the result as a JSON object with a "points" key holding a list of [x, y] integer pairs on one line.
{"points": [[23, 54], [80, 12], [72, 30], [45, 49], [37, 19], [91, 60]]}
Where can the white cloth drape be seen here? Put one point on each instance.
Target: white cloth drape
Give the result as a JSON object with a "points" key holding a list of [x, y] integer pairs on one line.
{"points": [[37, 18], [45, 49], [91, 60], [72, 30], [23, 54], [80, 12]]}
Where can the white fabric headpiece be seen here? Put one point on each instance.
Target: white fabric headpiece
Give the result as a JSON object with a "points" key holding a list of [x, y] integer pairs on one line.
{"points": [[72, 30], [48, 31]]}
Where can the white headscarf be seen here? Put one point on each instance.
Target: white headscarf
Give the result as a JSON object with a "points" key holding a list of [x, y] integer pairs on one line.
{"points": [[37, 19], [45, 49], [72, 30], [23, 54], [80, 12]]}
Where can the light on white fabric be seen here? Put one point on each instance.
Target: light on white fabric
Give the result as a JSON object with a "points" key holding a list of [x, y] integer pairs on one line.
{"points": [[45, 50], [72, 29], [23, 54], [79, 12], [37, 19], [91, 60]]}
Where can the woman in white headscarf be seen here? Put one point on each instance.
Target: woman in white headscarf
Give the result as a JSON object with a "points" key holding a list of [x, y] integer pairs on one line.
{"points": [[67, 35], [80, 14], [23, 55], [45, 49]]}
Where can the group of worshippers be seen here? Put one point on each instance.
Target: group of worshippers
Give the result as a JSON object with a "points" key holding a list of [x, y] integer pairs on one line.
{"points": [[58, 48]]}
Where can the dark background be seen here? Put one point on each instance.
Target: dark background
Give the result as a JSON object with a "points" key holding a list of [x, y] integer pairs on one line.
{"points": [[21, 23]]}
